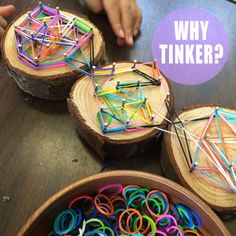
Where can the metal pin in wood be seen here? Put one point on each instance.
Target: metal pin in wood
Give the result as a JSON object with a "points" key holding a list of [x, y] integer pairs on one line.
{"points": [[105, 126], [145, 99], [117, 84], [155, 61], [96, 87], [123, 102], [113, 67], [134, 65], [194, 165], [138, 83], [45, 22], [20, 47]]}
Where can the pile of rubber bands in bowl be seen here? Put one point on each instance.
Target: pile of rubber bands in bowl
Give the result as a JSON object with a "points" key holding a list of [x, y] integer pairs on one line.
{"points": [[126, 210]]}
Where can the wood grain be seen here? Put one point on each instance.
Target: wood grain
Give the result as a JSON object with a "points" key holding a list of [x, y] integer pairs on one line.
{"points": [[217, 197], [48, 83], [83, 106], [40, 152]]}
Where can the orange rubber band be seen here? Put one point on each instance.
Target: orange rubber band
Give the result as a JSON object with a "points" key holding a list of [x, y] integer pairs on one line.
{"points": [[134, 212], [149, 209], [98, 203], [192, 232]]}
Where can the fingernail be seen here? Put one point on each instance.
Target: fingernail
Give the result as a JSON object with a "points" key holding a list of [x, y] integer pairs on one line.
{"points": [[120, 42], [135, 32], [13, 7], [121, 33], [4, 23], [130, 41]]}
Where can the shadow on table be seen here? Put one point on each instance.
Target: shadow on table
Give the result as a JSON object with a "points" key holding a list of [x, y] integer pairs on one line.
{"points": [[148, 161], [45, 106]]}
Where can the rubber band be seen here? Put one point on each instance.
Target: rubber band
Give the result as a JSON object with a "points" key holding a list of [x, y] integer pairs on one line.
{"points": [[189, 214], [173, 229], [105, 208], [123, 210], [191, 232], [130, 212], [133, 113], [48, 39], [108, 188], [213, 145], [153, 196], [65, 222]]}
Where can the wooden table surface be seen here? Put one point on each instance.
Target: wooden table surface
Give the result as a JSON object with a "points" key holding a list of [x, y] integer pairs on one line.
{"points": [[40, 151]]}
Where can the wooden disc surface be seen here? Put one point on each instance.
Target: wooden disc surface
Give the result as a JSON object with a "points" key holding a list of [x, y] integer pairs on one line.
{"points": [[217, 196], [85, 106], [10, 53]]}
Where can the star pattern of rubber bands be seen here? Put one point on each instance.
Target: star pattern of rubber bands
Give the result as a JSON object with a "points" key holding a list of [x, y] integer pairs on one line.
{"points": [[47, 38], [127, 108], [209, 154]]}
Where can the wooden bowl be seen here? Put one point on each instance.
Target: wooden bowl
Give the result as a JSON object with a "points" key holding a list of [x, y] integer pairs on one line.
{"points": [[41, 221]]}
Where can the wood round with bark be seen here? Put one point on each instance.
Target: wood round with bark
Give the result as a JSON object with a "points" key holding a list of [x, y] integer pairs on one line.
{"points": [[210, 141], [47, 83], [84, 108]]}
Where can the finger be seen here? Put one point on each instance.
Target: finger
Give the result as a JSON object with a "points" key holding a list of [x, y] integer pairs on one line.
{"points": [[3, 22], [128, 20], [120, 41], [113, 12], [7, 11], [95, 6], [138, 22], [1, 32]]}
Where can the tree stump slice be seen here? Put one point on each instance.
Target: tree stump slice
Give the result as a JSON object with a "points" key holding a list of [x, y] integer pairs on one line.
{"points": [[217, 197], [83, 107], [47, 83]]}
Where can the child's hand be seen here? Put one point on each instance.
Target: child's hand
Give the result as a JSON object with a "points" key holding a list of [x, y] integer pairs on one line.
{"points": [[5, 11], [124, 15]]}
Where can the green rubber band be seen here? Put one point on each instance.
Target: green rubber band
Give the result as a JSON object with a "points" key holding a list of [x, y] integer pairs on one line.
{"points": [[107, 228], [157, 205], [95, 220], [152, 223]]}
